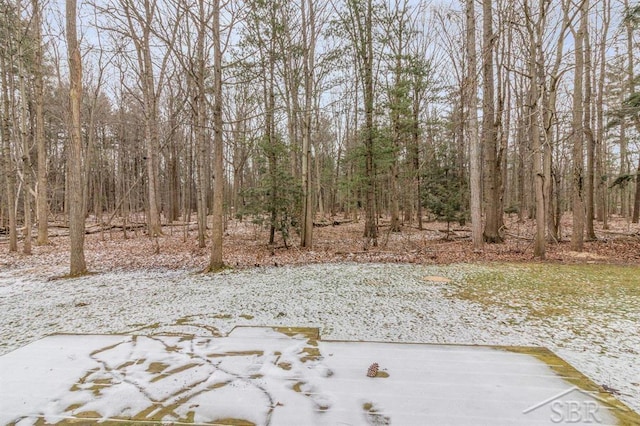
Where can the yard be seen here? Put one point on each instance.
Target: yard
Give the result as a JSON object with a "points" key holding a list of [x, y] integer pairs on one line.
{"points": [[587, 314]]}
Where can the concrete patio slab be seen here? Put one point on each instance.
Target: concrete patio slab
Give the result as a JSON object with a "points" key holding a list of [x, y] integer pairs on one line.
{"points": [[287, 376]]}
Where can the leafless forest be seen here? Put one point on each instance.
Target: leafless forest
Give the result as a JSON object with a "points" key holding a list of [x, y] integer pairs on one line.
{"points": [[324, 129]]}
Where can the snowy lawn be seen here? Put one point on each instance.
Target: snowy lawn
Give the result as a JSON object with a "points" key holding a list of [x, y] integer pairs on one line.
{"points": [[593, 323]]}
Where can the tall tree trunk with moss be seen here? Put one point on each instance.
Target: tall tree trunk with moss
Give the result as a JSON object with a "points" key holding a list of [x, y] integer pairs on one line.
{"points": [[215, 262], [76, 214]]}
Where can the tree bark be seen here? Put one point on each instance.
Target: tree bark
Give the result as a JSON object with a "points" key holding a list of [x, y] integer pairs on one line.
{"points": [[309, 42], [471, 94], [625, 165], [601, 146], [536, 68], [151, 123], [216, 262], [26, 156], [76, 214], [42, 205], [589, 139], [201, 126], [636, 204], [366, 51], [551, 176], [577, 235], [9, 169], [493, 225], [415, 156]]}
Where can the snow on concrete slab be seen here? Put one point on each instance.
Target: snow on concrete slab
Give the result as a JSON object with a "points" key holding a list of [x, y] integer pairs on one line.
{"points": [[284, 376]]}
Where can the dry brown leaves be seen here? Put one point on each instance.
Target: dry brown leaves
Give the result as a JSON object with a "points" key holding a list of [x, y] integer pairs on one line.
{"points": [[246, 246]]}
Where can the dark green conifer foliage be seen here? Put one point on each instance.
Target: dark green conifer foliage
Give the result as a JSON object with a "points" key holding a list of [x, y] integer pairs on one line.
{"points": [[281, 211]]}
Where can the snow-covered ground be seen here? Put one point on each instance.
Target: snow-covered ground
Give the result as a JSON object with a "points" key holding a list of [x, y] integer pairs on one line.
{"points": [[372, 302]]}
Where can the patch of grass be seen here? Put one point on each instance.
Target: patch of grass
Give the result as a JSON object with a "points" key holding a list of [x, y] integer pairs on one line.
{"points": [[624, 414], [313, 354], [545, 290], [233, 422]]}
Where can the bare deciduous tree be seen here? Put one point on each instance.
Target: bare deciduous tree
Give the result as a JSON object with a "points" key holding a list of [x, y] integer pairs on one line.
{"points": [[216, 263], [577, 235], [492, 174], [42, 202], [9, 169], [471, 90], [309, 49], [76, 212]]}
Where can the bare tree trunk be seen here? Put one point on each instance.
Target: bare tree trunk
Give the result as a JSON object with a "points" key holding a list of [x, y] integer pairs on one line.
{"points": [[601, 146], [549, 119], [141, 21], [42, 206], [321, 197], [415, 157], [270, 105], [536, 68], [26, 157], [397, 42], [10, 174], [636, 204], [76, 213], [624, 166], [577, 236], [472, 128], [590, 140], [370, 226], [493, 225], [151, 127], [624, 161], [309, 42], [216, 263], [201, 126], [173, 169]]}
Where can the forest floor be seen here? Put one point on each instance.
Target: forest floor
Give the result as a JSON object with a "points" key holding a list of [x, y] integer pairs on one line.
{"points": [[245, 246]]}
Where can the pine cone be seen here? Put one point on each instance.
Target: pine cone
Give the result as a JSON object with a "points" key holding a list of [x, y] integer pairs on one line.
{"points": [[373, 370]]}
